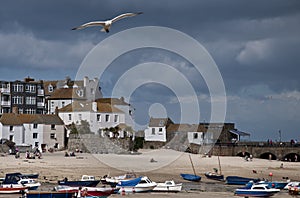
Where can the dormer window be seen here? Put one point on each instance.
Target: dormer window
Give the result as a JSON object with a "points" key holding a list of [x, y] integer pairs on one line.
{"points": [[80, 92], [50, 88]]}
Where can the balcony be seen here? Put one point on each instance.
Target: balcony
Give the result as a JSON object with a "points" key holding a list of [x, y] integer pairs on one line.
{"points": [[40, 104], [40, 92], [5, 103], [4, 90]]}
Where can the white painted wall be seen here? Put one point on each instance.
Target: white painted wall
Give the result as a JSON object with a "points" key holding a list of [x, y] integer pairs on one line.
{"points": [[159, 136]]}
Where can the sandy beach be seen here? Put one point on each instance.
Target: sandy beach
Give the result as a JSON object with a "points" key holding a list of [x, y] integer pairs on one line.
{"points": [[168, 164]]}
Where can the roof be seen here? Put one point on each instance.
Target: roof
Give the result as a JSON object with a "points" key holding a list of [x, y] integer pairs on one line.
{"points": [[70, 83], [20, 119], [81, 106], [113, 101], [160, 122], [186, 128], [239, 133], [65, 93]]}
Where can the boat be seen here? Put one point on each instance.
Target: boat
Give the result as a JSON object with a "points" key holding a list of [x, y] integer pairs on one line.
{"points": [[13, 189], [140, 184], [214, 176], [168, 186], [31, 184], [87, 181], [191, 177], [113, 181], [275, 184], [256, 190], [86, 191], [49, 194], [236, 180], [291, 184], [31, 175]]}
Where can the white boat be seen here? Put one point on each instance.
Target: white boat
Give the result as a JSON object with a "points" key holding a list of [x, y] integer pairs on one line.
{"points": [[256, 190], [140, 184], [12, 188], [31, 184], [168, 186], [113, 181], [291, 184]]}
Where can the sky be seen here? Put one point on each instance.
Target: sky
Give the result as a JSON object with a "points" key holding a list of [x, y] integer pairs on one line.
{"points": [[255, 45]]}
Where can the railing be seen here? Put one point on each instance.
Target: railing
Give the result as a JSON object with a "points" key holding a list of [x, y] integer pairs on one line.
{"points": [[4, 90], [5, 103], [40, 104]]}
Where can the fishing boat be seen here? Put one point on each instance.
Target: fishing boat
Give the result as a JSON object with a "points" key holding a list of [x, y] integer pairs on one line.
{"points": [[140, 184], [255, 190], [13, 189], [214, 176], [113, 181], [168, 186], [191, 177], [49, 194], [236, 180], [85, 181]]}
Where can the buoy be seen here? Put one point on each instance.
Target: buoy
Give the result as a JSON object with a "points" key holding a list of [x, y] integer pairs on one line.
{"points": [[270, 174]]}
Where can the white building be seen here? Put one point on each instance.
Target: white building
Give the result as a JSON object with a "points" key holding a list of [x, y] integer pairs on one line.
{"points": [[99, 115], [157, 129], [37, 130]]}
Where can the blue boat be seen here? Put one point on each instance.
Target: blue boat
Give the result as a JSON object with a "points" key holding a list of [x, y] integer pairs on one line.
{"points": [[214, 176], [86, 183], [255, 190], [49, 195], [275, 184], [191, 177], [236, 180]]}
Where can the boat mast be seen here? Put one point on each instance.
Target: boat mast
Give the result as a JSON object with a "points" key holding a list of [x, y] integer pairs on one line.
{"points": [[192, 165]]}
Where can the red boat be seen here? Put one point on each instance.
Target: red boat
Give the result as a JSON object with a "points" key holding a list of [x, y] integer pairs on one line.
{"points": [[87, 191], [11, 189]]}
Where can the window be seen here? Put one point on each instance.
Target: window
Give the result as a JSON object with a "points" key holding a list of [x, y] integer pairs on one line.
{"points": [[11, 138], [153, 131], [107, 118], [50, 88], [30, 111], [62, 104], [30, 88], [11, 128], [36, 144], [99, 117], [31, 100], [52, 126], [18, 88], [17, 99], [195, 135], [35, 126], [160, 129], [34, 135], [79, 116], [70, 116], [116, 118], [52, 136]]}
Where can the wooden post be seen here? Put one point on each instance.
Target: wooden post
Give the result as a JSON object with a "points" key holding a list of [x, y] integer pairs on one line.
{"points": [[192, 165]]}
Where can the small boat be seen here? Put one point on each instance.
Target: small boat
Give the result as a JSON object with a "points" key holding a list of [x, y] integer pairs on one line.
{"points": [[89, 181], [214, 176], [168, 186], [31, 184], [236, 180], [86, 191], [13, 189], [140, 184], [291, 184], [113, 181], [49, 194], [255, 190], [191, 177]]}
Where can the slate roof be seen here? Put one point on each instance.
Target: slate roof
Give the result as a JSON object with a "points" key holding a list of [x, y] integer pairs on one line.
{"points": [[160, 122], [113, 101], [65, 93], [20, 119], [81, 106]]}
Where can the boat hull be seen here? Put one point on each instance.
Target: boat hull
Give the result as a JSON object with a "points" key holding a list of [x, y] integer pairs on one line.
{"points": [[191, 177], [13, 190], [93, 183], [49, 195], [176, 188], [236, 180], [214, 176], [245, 193]]}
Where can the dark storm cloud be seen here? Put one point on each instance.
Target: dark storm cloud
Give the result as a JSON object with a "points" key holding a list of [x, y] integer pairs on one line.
{"points": [[254, 43]]}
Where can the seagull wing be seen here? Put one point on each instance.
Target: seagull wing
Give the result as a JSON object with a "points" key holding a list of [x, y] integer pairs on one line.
{"points": [[90, 24], [125, 15]]}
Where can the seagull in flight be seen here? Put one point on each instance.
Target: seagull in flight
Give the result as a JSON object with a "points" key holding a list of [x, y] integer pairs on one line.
{"points": [[106, 24]]}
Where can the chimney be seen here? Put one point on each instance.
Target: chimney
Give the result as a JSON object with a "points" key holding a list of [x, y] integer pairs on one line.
{"points": [[94, 106], [56, 111], [85, 81], [15, 110]]}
